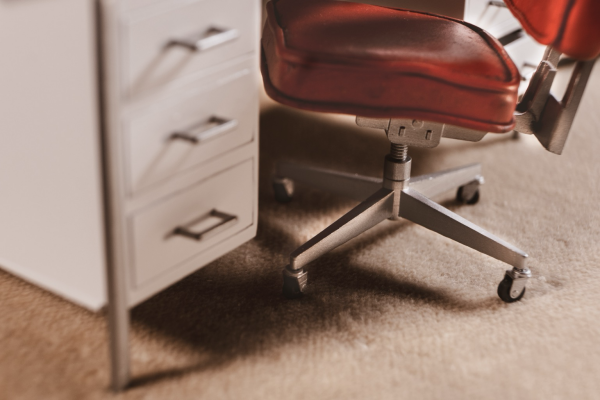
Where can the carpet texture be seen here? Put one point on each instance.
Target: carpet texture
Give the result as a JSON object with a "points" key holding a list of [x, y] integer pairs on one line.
{"points": [[397, 313]]}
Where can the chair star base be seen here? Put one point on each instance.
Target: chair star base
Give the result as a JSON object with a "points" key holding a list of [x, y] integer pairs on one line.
{"points": [[397, 196]]}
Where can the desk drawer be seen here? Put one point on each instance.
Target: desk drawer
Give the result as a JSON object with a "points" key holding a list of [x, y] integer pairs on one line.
{"points": [[179, 134], [191, 221], [166, 45]]}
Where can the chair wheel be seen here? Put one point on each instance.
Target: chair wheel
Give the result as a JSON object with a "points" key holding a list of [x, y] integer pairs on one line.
{"points": [[283, 189], [294, 283], [504, 290], [469, 193]]}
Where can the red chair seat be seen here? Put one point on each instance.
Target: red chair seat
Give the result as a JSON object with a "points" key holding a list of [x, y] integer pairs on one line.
{"points": [[570, 26], [358, 59]]}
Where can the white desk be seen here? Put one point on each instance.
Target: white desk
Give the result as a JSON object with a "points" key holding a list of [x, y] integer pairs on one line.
{"points": [[128, 145]]}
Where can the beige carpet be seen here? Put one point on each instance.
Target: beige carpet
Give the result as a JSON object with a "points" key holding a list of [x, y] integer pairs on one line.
{"points": [[398, 313]]}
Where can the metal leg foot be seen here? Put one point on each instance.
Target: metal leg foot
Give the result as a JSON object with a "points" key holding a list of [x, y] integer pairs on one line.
{"points": [[366, 215], [432, 185], [119, 349], [469, 193], [283, 189], [294, 282], [118, 329], [512, 288], [353, 186]]}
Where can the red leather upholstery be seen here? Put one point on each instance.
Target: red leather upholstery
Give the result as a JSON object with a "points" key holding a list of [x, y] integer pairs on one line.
{"points": [[570, 26], [374, 61]]}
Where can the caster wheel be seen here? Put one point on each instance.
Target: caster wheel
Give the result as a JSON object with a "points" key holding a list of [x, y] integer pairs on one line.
{"points": [[283, 189], [294, 283], [469, 193], [504, 290]]}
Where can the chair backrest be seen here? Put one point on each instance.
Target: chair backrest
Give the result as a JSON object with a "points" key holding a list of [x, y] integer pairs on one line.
{"points": [[570, 26]]}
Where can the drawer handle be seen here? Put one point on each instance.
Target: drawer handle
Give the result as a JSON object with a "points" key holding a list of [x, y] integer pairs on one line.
{"points": [[227, 220], [215, 126], [212, 37]]}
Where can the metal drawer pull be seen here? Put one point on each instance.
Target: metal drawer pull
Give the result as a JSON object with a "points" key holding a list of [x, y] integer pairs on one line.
{"points": [[210, 38], [227, 221], [213, 128]]}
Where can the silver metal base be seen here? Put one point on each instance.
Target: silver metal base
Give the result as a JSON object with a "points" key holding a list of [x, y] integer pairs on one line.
{"points": [[398, 196]]}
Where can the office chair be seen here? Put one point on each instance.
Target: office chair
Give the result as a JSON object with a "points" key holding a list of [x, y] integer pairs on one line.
{"points": [[419, 77]]}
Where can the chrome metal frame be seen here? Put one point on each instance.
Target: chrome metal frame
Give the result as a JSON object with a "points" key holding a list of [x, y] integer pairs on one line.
{"points": [[540, 113], [394, 197], [398, 196]]}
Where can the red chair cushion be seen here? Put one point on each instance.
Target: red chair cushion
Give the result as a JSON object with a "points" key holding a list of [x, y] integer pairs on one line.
{"points": [[358, 59], [570, 26]]}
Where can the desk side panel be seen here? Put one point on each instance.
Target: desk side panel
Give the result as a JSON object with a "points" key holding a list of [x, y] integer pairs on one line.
{"points": [[50, 182]]}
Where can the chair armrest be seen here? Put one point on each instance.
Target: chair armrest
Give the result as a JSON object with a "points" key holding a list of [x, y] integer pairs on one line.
{"points": [[540, 113]]}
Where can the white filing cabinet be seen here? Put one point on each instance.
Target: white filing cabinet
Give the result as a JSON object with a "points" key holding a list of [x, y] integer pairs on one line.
{"points": [[128, 145]]}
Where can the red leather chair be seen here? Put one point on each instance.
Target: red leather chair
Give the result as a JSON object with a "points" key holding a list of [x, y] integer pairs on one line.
{"points": [[419, 77]]}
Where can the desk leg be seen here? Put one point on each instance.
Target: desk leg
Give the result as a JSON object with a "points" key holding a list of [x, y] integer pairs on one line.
{"points": [[118, 328]]}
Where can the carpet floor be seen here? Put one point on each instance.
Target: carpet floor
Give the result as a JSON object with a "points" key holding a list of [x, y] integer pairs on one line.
{"points": [[397, 313]]}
